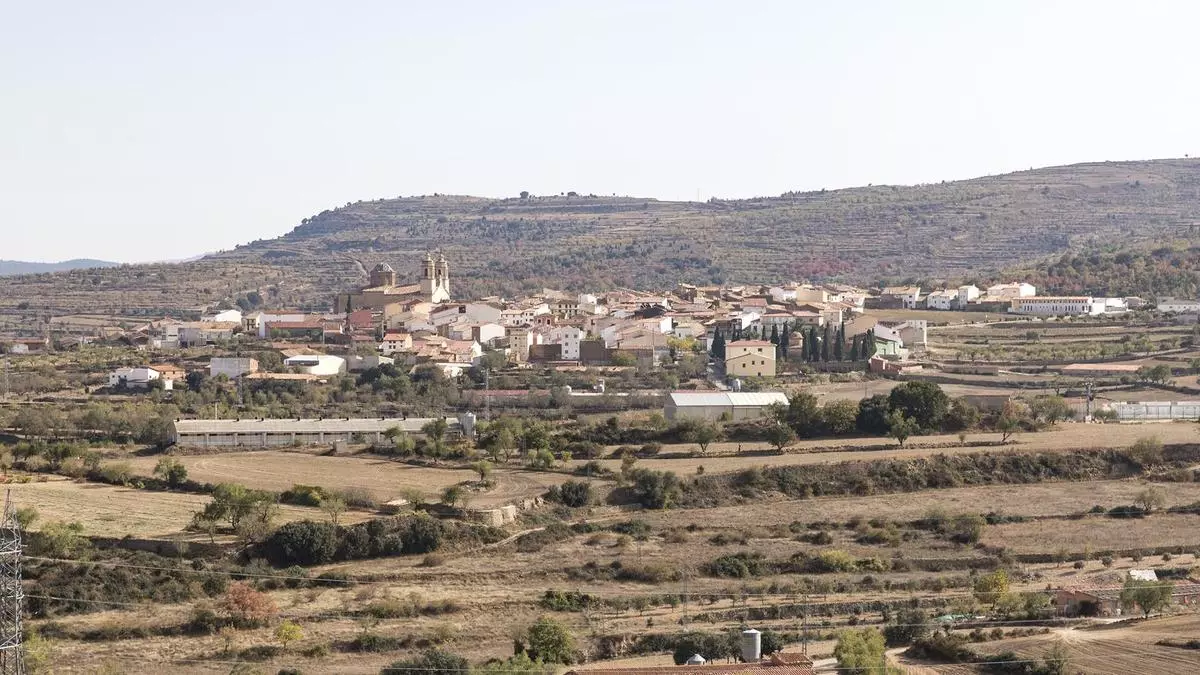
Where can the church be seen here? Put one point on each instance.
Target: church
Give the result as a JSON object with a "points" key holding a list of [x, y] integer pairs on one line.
{"points": [[382, 291]]}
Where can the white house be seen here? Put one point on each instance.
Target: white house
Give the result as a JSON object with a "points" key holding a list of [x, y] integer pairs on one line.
{"points": [[1179, 306], [137, 378], [232, 366], [396, 342], [1010, 291], [257, 322], [943, 299], [225, 316], [569, 337], [317, 364], [966, 294]]}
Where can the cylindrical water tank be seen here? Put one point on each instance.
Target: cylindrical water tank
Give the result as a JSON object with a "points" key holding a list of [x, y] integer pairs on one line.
{"points": [[751, 645], [696, 660], [467, 420]]}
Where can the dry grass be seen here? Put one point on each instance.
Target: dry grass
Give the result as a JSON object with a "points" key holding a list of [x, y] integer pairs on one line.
{"points": [[385, 479], [1069, 436], [1096, 534], [111, 511]]}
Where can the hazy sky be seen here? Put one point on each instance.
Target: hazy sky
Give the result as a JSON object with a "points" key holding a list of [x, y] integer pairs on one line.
{"points": [[152, 130]]}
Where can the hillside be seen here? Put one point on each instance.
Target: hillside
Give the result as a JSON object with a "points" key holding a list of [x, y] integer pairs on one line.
{"points": [[862, 235], [11, 267]]}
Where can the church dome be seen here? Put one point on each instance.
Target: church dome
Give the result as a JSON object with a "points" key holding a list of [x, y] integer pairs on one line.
{"points": [[383, 267]]}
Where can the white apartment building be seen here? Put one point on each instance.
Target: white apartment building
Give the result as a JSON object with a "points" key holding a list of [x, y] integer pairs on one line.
{"points": [[966, 294], [1058, 305], [569, 337], [1010, 291]]}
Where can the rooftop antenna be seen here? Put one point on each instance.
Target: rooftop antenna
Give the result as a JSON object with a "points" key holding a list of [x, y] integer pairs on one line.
{"points": [[12, 596]]}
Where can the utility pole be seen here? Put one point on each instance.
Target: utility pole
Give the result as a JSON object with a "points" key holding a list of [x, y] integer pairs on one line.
{"points": [[1088, 395], [487, 394], [12, 596]]}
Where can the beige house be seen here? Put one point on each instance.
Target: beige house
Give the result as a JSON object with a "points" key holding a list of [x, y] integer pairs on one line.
{"points": [[750, 358]]}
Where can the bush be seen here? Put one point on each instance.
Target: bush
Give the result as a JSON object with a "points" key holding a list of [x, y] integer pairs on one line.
{"points": [[304, 495], [656, 489], [575, 494], [738, 566], [301, 543]]}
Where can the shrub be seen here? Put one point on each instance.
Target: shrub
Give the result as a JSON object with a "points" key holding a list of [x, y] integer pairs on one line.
{"points": [[737, 565], [656, 489], [247, 607], [301, 543], [304, 495], [575, 494]]}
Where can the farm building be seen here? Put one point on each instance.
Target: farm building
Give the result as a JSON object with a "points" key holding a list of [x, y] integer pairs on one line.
{"points": [[1157, 410], [711, 405], [317, 364], [267, 433]]}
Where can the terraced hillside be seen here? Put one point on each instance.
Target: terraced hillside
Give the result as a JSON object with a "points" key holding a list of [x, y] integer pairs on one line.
{"points": [[861, 235]]}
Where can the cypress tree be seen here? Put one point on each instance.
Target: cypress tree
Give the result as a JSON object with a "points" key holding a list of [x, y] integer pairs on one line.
{"points": [[840, 344], [825, 346], [814, 347], [718, 345], [785, 340], [854, 349], [775, 334]]}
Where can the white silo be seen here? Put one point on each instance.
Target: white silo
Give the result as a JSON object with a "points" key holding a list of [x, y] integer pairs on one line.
{"points": [[696, 660], [751, 645]]}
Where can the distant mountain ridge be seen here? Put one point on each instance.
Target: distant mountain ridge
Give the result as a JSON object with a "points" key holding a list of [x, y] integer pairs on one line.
{"points": [[14, 267]]}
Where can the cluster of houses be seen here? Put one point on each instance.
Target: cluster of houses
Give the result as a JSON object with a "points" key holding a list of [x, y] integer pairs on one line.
{"points": [[421, 323], [1016, 297]]}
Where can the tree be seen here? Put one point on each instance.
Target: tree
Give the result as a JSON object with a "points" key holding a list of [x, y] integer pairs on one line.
{"points": [[961, 416], [780, 436], [900, 427], [862, 652], [572, 493], [302, 542], [25, 516], [717, 349], [453, 495], [549, 641], [334, 507], [524, 194], [840, 416], [435, 437], [989, 588], [785, 342], [246, 606], [826, 344], [924, 402], [233, 502], [702, 433], [518, 664], [1150, 499], [1146, 451], [287, 632], [839, 344], [908, 626], [802, 414], [1148, 596], [1013, 417], [60, 540], [483, 468], [812, 345], [431, 662], [1051, 409], [873, 414], [171, 471]]}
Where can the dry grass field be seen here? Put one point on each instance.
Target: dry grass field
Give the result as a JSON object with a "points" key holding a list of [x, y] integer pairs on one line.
{"points": [[1032, 500], [722, 457], [1118, 649], [111, 511], [385, 479]]}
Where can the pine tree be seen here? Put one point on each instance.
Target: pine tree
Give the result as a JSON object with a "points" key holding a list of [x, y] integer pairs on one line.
{"points": [[825, 344], [718, 346]]}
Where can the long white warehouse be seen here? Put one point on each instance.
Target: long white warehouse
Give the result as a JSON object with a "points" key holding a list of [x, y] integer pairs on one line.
{"points": [[273, 433]]}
